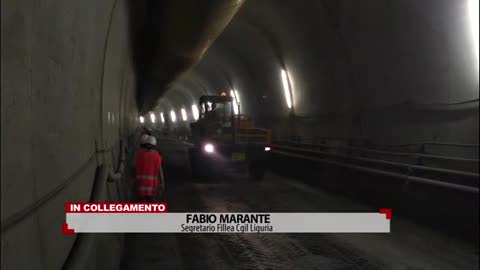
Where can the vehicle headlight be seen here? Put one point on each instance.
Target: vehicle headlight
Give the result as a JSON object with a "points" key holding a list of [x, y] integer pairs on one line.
{"points": [[209, 148]]}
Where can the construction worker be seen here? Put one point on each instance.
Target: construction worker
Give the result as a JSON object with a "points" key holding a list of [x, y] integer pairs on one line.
{"points": [[149, 182], [142, 135], [214, 118], [146, 130]]}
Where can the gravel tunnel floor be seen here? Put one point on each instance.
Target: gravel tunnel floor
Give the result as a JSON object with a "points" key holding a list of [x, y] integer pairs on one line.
{"points": [[409, 246]]}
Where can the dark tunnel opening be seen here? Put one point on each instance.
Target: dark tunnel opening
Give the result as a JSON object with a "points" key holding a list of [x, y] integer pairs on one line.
{"points": [[350, 126], [145, 40]]}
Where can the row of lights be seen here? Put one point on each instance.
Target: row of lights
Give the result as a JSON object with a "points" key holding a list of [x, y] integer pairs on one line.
{"points": [[195, 111], [173, 115], [286, 81], [287, 89]]}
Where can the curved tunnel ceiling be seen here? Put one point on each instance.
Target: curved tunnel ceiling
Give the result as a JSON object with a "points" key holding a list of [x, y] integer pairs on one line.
{"points": [[342, 57], [171, 36]]}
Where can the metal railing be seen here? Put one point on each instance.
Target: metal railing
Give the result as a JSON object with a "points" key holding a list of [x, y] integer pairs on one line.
{"points": [[354, 157], [366, 141], [406, 177], [415, 155]]}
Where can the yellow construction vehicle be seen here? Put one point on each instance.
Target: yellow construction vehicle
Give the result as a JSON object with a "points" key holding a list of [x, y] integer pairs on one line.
{"points": [[224, 140]]}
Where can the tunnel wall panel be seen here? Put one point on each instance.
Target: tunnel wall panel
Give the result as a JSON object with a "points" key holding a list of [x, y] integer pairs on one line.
{"points": [[53, 112]]}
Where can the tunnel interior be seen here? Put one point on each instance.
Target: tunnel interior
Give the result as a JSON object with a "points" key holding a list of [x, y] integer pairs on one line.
{"points": [[347, 82], [378, 79]]}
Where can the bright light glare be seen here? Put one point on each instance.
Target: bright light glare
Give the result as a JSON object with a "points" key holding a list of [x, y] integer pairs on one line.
{"points": [[209, 148], [286, 89], [235, 104], [292, 88], [473, 10], [195, 112], [237, 96], [162, 118], [184, 114], [267, 148], [173, 116], [141, 119], [209, 105], [234, 94], [152, 117]]}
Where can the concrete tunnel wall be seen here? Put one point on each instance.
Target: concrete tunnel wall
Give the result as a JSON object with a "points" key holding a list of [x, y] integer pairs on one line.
{"points": [[71, 72], [68, 90], [389, 71]]}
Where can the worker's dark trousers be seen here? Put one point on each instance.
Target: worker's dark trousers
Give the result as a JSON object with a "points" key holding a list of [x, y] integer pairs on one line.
{"points": [[148, 199]]}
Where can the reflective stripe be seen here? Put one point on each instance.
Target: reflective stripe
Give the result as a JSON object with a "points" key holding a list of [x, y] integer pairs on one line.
{"points": [[147, 177], [147, 189]]}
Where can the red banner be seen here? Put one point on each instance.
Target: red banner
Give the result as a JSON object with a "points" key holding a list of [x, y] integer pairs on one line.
{"points": [[82, 207]]}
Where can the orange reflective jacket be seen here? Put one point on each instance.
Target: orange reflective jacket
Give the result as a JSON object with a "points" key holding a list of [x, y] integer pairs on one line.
{"points": [[148, 167]]}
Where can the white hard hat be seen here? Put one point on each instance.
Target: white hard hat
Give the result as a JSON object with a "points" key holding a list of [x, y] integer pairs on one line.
{"points": [[144, 139], [151, 140]]}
